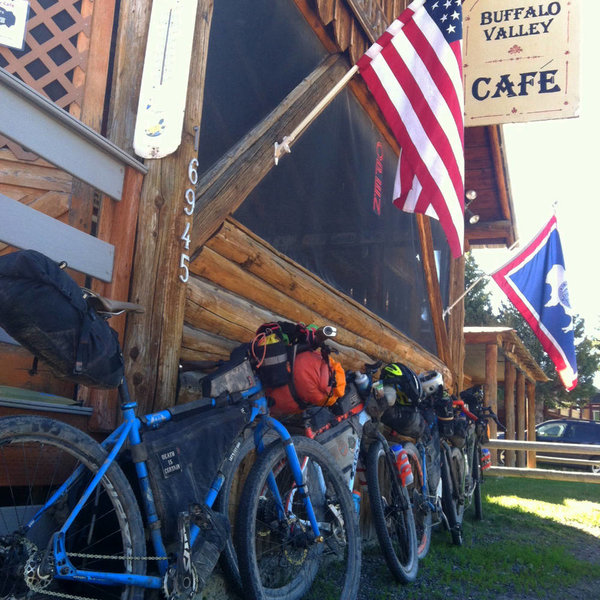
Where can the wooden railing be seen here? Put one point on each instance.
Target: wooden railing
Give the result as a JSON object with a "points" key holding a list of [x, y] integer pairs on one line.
{"points": [[535, 473]]}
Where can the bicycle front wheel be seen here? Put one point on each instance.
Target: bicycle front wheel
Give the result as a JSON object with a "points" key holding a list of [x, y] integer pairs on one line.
{"points": [[278, 554], [37, 455], [392, 514], [235, 472], [418, 493]]}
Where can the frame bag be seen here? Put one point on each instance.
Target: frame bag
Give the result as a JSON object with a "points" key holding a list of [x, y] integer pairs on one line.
{"points": [[44, 309]]}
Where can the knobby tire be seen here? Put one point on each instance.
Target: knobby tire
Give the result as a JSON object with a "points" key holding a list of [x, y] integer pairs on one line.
{"points": [[36, 456], [278, 557], [392, 514]]}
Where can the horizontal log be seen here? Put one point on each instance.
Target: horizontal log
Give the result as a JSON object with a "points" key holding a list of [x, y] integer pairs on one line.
{"points": [[232, 320], [488, 229], [230, 276], [200, 345], [255, 256]]}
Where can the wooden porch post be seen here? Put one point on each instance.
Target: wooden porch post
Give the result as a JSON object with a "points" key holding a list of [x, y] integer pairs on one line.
{"points": [[531, 457], [153, 340], [491, 386], [509, 409], [521, 416]]}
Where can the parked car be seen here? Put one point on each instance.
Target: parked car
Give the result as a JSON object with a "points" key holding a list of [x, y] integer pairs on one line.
{"points": [[564, 431], [569, 431]]}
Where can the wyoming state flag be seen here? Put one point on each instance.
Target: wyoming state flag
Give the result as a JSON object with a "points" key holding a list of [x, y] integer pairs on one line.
{"points": [[535, 282]]}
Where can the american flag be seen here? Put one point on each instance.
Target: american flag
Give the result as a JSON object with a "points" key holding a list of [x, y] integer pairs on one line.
{"points": [[414, 71]]}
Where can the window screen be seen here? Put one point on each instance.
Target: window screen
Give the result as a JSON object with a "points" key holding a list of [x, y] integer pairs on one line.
{"points": [[328, 207], [259, 51]]}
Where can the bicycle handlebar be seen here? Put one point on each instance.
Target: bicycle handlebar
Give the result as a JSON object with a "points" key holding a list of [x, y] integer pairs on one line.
{"points": [[486, 411]]}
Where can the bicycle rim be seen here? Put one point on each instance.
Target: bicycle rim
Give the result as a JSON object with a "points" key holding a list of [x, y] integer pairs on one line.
{"points": [[392, 515], [36, 457], [277, 554]]}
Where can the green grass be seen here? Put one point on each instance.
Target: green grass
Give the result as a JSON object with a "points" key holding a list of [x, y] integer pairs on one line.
{"points": [[538, 539]]}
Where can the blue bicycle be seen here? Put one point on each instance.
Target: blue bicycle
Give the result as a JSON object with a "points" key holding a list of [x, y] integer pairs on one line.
{"points": [[71, 524]]}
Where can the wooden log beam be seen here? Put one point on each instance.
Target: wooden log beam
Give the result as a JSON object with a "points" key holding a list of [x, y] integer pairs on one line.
{"points": [[227, 274], [509, 409], [226, 185], [521, 416], [240, 246], [531, 456], [225, 315], [202, 345]]}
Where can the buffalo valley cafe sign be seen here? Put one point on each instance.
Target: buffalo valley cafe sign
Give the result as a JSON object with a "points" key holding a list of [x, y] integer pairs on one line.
{"points": [[521, 60]]}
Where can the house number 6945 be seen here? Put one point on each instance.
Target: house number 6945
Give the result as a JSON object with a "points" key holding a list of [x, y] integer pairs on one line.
{"points": [[188, 209]]}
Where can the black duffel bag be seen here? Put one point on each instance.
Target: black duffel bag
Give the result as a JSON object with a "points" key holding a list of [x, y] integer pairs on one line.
{"points": [[44, 309]]}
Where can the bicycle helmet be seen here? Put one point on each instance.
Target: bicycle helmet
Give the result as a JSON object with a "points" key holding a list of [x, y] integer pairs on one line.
{"points": [[404, 381], [431, 381]]}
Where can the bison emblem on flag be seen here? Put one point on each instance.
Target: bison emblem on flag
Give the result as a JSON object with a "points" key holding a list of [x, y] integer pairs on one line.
{"points": [[535, 282]]}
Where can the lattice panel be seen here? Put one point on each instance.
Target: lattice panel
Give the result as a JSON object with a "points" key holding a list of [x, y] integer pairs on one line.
{"points": [[53, 59]]}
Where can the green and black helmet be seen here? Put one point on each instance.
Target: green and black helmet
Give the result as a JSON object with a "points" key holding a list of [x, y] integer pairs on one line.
{"points": [[405, 382]]}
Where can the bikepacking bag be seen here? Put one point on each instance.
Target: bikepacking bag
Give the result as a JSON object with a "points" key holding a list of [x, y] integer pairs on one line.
{"points": [[294, 374], [229, 378], [405, 420], [45, 310], [341, 439], [184, 456]]}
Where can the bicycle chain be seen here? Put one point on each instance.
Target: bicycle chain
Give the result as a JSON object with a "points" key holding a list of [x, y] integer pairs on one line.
{"points": [[38, 590]]}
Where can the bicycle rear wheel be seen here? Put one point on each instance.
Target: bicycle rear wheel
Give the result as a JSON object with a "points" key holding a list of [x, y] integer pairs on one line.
{"points": [[417, 491], [392, 514], [36, 456], [278, 555]]}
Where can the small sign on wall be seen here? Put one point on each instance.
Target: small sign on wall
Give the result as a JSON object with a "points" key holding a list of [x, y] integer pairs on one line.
{"points": [[521, 60], [13, 20]]}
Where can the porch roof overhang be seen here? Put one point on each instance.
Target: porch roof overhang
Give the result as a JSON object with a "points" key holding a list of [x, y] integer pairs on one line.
{"points": [[486, 173], [510, 347]]}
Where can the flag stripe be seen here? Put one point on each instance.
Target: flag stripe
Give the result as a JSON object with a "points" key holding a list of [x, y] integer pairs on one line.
{"points": [[414, 73]]}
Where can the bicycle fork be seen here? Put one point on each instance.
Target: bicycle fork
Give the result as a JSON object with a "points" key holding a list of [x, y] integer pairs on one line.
{"points": [[284, 506]]}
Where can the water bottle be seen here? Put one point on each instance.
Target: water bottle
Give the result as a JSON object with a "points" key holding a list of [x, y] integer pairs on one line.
{"points": [[403, 464], [361, 380], [356, 499], [486, 459]]}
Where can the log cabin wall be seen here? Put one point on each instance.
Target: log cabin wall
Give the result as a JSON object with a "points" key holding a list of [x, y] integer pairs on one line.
{"points": [[65, 58]]}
